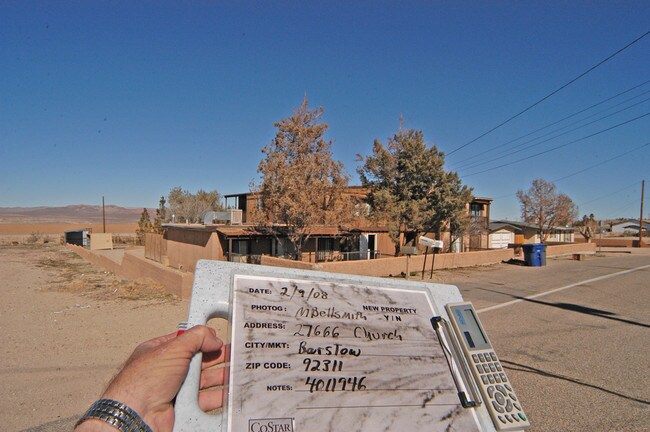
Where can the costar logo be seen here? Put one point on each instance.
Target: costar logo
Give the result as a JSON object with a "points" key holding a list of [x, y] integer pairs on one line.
{"points": [[270, 425]]}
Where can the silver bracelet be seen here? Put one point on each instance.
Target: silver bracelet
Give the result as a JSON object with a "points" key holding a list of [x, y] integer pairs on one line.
{"points": [[116, 414]]}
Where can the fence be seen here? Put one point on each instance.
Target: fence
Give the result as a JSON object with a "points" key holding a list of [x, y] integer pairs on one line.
{"points": [[155, 247]]}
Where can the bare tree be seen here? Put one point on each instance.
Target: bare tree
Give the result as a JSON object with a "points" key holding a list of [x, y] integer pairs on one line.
{"points": [[588, 227], [302, 185], [189, 207], [543, 206]]}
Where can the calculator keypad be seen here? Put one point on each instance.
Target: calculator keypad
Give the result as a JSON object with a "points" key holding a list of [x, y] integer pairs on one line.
{"points": [[502, 402]]}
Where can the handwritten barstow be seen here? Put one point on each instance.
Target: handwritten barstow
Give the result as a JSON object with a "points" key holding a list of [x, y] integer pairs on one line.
{"points": [[330, 312]]}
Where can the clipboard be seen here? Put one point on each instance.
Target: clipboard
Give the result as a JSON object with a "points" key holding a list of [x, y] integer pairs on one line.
{"points": [[321, 351]]}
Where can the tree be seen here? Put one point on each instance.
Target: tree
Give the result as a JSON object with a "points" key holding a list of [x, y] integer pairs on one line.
{"points": [[188, 207], [301, 184], [410, 189], [144, 226], [544, 207], [588, 227], [160, 216]]}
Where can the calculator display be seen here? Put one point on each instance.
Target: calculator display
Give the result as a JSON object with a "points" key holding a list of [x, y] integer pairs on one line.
{"points": [[468, 325]]}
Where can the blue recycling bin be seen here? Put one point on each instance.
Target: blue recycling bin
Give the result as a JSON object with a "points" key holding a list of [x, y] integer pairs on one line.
{"points": [[535, 254]]}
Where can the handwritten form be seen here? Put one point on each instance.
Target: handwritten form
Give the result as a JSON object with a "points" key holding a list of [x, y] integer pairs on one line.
{"points": [[336, 357]]}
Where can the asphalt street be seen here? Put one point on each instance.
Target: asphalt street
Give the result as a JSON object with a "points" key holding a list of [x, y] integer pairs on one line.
{"points": [[573, 337]]}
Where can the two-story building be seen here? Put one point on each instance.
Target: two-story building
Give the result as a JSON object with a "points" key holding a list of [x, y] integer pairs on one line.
{"points": [[235, 238]]}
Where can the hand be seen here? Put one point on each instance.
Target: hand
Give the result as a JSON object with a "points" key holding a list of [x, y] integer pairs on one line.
{"points": [[152, 376]]}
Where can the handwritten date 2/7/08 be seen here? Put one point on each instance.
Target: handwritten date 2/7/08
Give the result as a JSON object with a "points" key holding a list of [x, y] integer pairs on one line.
{"points": [[335, 384], [315, 293]]}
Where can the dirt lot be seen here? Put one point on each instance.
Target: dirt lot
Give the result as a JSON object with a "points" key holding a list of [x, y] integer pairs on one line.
{"points": [[67, 326]]}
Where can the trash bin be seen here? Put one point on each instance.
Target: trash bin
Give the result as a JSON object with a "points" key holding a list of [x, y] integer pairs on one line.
{"points": [[535, 254]]}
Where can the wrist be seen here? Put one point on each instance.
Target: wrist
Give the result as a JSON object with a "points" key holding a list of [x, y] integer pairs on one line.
{"points": [[112, 413]]}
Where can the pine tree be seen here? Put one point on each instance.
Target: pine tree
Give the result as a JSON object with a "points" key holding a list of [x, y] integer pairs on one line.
{"points": [[410, 190], [144, 226], [161, 213]]}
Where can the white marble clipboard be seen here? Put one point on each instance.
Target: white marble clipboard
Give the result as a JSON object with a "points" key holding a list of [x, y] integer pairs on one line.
{"points": [[322, 351]]}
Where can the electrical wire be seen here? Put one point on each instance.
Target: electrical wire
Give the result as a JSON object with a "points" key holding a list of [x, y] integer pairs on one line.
{"points": [[510, 150], [611, 56], [601, 163], [635, 184], [476, 155], [558, 147], [575, 173]]}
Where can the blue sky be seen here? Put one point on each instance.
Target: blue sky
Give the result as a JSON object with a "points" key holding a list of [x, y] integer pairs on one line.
{"points": [[129, 99]]}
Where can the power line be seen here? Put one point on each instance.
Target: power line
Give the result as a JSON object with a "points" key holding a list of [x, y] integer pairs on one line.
{"points": [[602, 163], [636, 183], [474, 164], [476, 155], [575, 173], [558, 147], [552, 93]]}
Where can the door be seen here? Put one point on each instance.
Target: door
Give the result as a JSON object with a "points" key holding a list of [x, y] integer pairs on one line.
{"points": [[501, 239], [367, 246], [372, 246]]}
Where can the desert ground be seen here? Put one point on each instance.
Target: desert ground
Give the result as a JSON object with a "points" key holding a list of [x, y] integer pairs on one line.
{"points": [[67, 327], [33, 233]]}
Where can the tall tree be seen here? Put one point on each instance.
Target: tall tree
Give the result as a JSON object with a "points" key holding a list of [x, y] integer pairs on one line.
{"points": [[544, 207], [189, 207], [144, 226], [160, 216], [410, 189], [301, 184]]}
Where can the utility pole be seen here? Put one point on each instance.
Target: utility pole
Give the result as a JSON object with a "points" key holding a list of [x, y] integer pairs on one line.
{"points": [[641, 217], [103, 215]]}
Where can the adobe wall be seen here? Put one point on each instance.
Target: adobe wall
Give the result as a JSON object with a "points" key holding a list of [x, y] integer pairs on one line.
{"points": [[134, 267], [183, 254], [281, 262], [99, 241], [99, 260], [565, 249], [397, 265]]}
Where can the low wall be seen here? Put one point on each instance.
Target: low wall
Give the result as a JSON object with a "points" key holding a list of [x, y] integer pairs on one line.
{"points": [[572, 248], [619, 242], [282, 262], [396, 266], [134, 267], [99, 241]]}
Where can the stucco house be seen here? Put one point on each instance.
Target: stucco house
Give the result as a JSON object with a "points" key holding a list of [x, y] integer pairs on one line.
{"points": [[629, 226], [522, 232]]}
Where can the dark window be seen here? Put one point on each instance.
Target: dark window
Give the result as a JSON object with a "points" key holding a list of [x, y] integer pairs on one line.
{"points": [[325, 245]]}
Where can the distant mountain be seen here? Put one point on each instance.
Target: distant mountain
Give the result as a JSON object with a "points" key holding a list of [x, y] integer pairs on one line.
{"points": [[71, 214]]}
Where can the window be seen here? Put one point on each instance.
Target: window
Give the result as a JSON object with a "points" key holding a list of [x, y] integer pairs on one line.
{"points": [[325, 244], [476, 209]]}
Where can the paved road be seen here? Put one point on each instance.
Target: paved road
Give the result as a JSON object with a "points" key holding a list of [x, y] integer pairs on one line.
{"points": [[574, 337]]}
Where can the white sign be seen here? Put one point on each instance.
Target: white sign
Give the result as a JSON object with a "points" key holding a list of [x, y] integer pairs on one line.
{"points": [[426, 241]]}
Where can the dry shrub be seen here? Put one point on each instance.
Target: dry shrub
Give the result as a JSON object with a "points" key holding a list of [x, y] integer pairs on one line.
{"points": [[73, 274]]}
